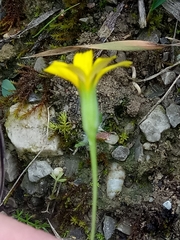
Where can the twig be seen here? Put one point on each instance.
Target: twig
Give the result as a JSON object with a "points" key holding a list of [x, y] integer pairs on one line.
{"points": [[160, 100], [159, 73], [142, 14]]}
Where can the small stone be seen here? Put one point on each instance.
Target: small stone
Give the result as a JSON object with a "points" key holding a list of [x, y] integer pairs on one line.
{"points": [[165, 56], [155, 124], [147, 146], [112, 139], [115, 180], [38, 170], [152, 37], [86, 20], [125, 227], [120, 153], [168, 77], [34, 98], [32, 188], [173, 114], [167, 205], [11, 167], [39, 64], [112, 1], [164, 40], [91, 5], [109, 225], [151, 199]]}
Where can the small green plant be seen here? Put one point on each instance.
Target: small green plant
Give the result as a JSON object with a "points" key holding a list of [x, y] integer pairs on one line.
{"points": [[100, 236], [81, 224], [57, 176], [155, 4], [123, 137], [28, 219], [63, 126]]}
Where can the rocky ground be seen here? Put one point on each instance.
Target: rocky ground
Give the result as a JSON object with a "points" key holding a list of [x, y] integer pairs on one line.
{"points": [[138, 139]]}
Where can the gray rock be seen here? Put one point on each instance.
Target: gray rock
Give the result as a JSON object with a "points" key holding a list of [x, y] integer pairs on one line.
{"points": [[86, 20], [109, 225], [11, 167], [120, 153], [138, 150], [38, 170], [173, 114], [152, 37], [168, 77], [32, 188], [165, 56], [112, 1], [155, 124], [39, 64], [125, 227]]}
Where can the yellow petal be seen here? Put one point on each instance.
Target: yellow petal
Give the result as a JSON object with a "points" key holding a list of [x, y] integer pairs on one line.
{"points": [[62, 70], [109, 68], [84, 61], [99, 64]]}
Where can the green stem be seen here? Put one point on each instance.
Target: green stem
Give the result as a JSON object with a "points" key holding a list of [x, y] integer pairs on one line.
{"points": [[92, 145]]}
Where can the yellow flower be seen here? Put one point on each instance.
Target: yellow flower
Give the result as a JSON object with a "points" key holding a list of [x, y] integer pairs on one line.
{"points": [[85, 75]]}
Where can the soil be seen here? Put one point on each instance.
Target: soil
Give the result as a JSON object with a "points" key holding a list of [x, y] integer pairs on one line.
{"points": [[148, 184]]}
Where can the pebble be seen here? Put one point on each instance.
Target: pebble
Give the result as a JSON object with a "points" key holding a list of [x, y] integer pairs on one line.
{"points": [[11, 167], [168, 77], [32, 188], [112, 1], [109, 225], [155, 124], [120, 153], [167, 205], [39, 64], [38, 170], [125, 227], [173, 114], [115, 180], [165, 56], [152, 37], [34, 98]]}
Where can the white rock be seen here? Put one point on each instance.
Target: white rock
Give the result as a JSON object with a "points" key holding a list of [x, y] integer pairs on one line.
{"points": [[115, 180], [38, 170], [167, 205], [173, 114], [29, 134], [155, 124]]}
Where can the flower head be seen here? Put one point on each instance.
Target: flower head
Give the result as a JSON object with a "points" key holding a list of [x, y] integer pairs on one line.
{"points": [[83, 73]]}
